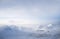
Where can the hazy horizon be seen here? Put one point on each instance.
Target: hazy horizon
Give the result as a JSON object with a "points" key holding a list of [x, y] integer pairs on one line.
{"points": [[29, 11]]}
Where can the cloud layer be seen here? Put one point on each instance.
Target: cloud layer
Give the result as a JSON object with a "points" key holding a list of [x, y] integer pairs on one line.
{"points": [[38, 10]]}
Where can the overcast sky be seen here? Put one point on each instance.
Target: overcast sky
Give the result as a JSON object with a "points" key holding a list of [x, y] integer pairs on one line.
{"points": [[29, 11]]}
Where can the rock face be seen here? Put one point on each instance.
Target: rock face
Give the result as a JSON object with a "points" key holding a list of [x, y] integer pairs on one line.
{"points": [[12, 32]]}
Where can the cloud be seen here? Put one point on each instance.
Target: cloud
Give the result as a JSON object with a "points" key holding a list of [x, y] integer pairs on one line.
{"points": [[19, 15], [33, 10]]}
